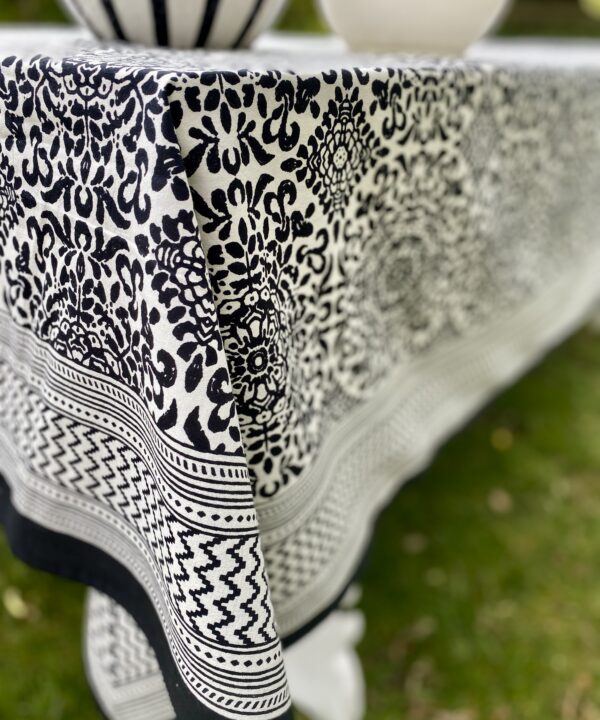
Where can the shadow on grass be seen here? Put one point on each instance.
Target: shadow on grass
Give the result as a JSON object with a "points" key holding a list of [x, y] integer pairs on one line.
{"points": [[482, 592]]}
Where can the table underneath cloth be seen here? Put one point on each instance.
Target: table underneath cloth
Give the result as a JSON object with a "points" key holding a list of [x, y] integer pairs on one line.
{"points": [[244, 297]]}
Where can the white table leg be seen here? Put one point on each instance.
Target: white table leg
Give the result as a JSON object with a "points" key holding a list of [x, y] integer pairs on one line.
{"points": [[324, 670]]}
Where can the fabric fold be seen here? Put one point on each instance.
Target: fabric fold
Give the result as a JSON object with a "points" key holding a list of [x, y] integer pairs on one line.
{"points": [[119, 429]]}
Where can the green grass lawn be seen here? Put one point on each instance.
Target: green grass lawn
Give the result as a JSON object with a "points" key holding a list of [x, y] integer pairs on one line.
{"points": [[482, 593]]}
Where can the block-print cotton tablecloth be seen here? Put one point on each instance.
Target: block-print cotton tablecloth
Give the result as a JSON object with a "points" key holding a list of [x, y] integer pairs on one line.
{"points": [[243, 297]]}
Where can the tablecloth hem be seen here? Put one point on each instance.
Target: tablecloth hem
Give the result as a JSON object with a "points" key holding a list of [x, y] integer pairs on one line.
{"points": [[63, 555]]}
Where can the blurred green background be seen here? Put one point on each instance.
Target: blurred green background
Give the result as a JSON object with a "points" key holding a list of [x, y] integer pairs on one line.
{"points": [[482, 594], [559, 17]]}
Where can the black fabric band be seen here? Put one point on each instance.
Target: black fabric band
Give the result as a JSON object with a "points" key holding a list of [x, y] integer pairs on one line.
{"points": [[63, 555]]}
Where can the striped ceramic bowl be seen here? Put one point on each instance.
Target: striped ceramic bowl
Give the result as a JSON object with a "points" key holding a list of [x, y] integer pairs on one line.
{"points": [[178, 23]]}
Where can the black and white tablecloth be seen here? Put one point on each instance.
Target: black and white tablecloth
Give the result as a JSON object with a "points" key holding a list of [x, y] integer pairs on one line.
{"points": [[243, 297]]}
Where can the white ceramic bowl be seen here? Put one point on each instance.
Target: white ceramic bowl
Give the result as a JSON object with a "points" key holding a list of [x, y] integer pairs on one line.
{"points": [[178, 23], [445, 27]]}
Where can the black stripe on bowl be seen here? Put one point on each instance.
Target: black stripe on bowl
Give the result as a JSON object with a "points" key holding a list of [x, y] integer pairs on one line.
{"points": [[114, 20], [207, 22], [161, 22], [249, 23], [81, 8]]}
